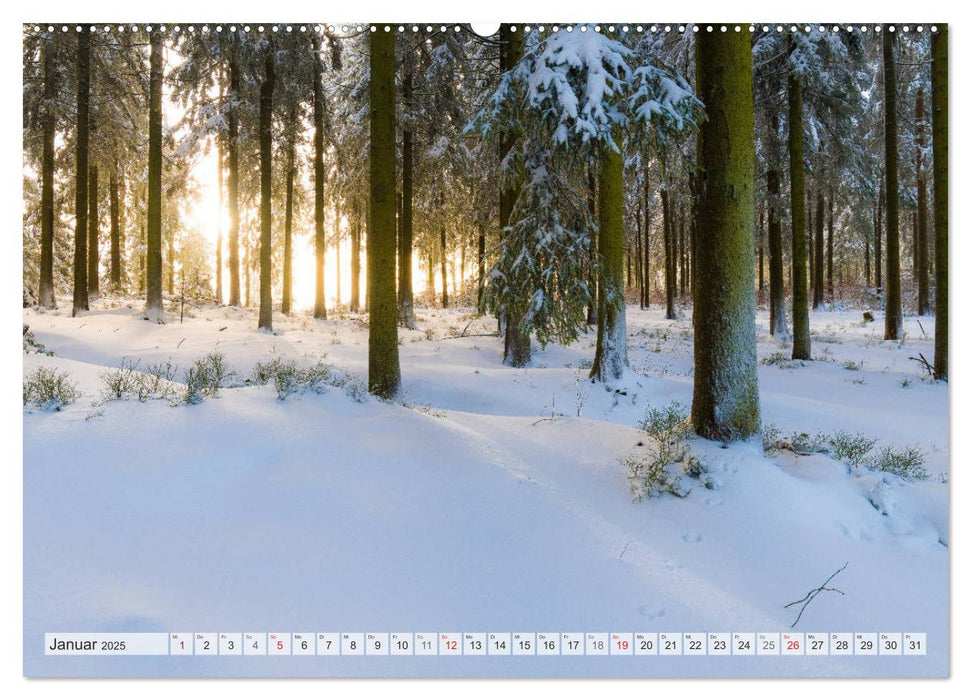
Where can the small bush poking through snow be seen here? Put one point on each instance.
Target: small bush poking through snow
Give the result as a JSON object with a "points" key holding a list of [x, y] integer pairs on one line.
{"points": [[49, 389], [906, 462], [852, 449], [668, 427], [208, 375], [288, 378], [771, 439]]}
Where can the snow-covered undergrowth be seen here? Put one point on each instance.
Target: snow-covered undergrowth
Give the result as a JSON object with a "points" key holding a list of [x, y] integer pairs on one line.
{"points": [[485, 499]]}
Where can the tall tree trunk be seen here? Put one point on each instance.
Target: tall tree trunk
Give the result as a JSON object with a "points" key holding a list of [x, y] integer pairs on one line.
{"points": [[878, 241], [170, 254], [777, 300], [726, 393], [683, 252], [320, 238], [247, 270], [830, 231], [355, 303], [610, 359], [480, 266], [819, 251], [80, 301], [287, 301], [639, 260], [384, 373], [337, 250], [517, 350], [46, 296], [667, 226], [761, 251], [233, 184], [406, 302], [646, 300], [939, 125], [894, 313], [94, 234], [114, 206], [153, 253], [866, 250], [219, 215], [444, 263], [266, 192], [594, 306], [801, 345], [923, 291]]}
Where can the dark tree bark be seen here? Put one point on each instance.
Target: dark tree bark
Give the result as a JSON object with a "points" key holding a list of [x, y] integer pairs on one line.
{"points": [[819, 251], [480, 266], [114, 211], [80, 301], [761, 251], [830, 234], [406, 303], [46, 296], [878, 241], [266, 192], [355, 303], [669, 273], [94, 218], [594, 255], [923, 287], [801, 345], [725, 405], [444, 263], [232, 123], [777, 300], [517, 350], [894, 312], [384, 373], [939, 116], [320, 238], [646, 294], [153, 254], [219, 208], [286, 306]]}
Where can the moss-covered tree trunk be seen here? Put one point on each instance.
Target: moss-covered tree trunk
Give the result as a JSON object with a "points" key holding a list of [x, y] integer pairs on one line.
{"points": [[46, 297], [384, 374], [516, 350], [610, 359], [114, 215], [266, 191], [894, 312], [725, 405], [923, 290], [286, 305], [801, 346], [232, 186], [153, 254], [777, 300], [406, 303], [80, 301], [939, 125], [320, 239]]}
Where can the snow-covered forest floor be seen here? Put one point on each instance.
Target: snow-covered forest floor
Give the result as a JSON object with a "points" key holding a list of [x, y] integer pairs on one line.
{"points": [[485, 499]]}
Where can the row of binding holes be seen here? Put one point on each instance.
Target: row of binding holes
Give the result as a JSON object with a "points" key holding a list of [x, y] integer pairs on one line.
{"points": [[681, 28]]}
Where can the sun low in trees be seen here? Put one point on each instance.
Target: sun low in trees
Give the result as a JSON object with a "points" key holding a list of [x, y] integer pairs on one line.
{"points": [[575, 97], [726, 397]]}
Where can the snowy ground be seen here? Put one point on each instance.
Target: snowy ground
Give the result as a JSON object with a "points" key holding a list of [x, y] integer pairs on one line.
{"points": [[457, 509]]}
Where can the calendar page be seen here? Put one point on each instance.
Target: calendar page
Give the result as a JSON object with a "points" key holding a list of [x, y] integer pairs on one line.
{"points": [[441, 349]]}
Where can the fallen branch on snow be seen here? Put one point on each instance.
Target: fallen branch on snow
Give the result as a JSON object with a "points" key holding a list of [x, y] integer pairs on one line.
{"points": [[815, 592]]}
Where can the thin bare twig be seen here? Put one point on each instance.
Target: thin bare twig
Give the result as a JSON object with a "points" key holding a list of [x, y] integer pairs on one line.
{"points": [[815, 592]]}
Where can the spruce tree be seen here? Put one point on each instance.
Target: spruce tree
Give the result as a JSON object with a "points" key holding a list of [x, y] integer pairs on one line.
{"points": [[939, 107], [801, 345], [266, 190], [384, 374], [725, 405], [46, 296], [154, 311], [894, 312], [80, 301], [232, 186], [320, 239]]}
